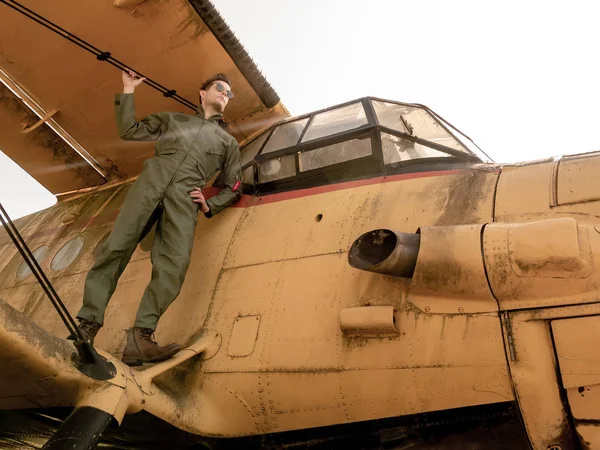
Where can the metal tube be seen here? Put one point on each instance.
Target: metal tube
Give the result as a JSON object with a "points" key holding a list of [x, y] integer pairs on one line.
{"points": [[386, 252]]}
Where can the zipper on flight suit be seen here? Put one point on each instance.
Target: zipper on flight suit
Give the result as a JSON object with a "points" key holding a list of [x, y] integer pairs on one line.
{"points": [[182, 161]]}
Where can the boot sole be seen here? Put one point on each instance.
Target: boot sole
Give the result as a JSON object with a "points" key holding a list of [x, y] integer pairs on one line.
{"points": [[134, 361]]}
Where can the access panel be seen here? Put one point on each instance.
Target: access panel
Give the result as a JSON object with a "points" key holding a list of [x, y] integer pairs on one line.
{"points": [[576, 343]]}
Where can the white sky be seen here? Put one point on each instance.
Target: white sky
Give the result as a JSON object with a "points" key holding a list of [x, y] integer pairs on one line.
{"points": [[519, 77], [20, 194]]}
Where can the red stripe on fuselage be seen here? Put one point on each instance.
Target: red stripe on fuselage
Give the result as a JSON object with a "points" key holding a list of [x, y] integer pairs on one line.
{"points": [[282, 196]]}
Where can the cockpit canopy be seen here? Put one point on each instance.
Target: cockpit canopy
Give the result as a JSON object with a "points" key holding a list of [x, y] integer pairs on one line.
{"points": [[360, 139]]}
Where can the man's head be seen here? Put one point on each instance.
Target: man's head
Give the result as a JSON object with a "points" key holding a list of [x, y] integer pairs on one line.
{"points": [[216, 92]]}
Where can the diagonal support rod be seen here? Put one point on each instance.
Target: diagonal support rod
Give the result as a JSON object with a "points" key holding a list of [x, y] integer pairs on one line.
{"points": [[89, 362]]}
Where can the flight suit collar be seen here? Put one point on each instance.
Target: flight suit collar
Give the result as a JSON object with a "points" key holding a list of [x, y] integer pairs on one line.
{"points": [[213, 118]]}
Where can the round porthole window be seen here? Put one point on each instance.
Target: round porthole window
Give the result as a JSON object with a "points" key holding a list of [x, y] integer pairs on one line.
{"points": [[68, 253], [99, 247], [39, 254]]}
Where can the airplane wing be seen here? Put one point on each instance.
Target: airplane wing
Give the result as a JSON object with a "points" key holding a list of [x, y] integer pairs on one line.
{"points": [[60, 66]]}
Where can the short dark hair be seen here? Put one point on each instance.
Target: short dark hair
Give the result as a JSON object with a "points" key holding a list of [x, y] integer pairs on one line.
{"points": [[211, 80]]}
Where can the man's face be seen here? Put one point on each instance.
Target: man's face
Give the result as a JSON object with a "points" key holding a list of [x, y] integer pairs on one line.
{"points": [[216, 96]]}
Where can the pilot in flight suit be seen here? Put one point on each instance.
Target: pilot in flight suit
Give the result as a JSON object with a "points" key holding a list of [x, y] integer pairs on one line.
{"points": [[189, 151]]}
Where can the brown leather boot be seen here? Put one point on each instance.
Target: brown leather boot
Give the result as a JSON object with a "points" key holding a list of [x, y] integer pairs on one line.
{"points": [[88, 328], [142, 348]]}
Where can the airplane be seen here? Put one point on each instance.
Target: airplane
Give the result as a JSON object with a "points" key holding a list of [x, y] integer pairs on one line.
{"points": [[382, 283]]}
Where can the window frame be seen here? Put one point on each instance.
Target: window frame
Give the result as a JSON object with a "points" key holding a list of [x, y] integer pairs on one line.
{"points": [[372, 129]]}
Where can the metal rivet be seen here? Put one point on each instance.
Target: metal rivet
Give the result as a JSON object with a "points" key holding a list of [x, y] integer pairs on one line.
{"points": [[427, 309], [460, 309]]}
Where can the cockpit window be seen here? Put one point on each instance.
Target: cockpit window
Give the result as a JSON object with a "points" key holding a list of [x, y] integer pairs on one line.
{"points": [[334, 154], [336, 121], [277, 168], [365, 138], [416, 122], [426, 127], [286, 135], [250, 151], [396, 149], [390, 115]]}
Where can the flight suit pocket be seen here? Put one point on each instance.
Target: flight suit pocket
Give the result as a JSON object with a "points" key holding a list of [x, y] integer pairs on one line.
{"points": [[211, 162], [168, 143], [217, 153]]}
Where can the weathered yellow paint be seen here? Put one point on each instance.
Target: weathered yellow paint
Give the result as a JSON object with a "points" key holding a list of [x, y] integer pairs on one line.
{"points": [[504, 281], [577, 179], [589, 436], [580, 371], [542, 263], [534, 379], [465, 197], [529, 193], [539, 338], [450, 276], [302, 277], [578, 367]]}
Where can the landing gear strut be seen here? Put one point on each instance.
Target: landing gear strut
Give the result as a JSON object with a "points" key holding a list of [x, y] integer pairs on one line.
{"points": [[81, 430]]}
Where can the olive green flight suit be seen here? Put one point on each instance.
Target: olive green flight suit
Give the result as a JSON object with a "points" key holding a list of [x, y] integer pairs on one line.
{"points": [[189, 151]]}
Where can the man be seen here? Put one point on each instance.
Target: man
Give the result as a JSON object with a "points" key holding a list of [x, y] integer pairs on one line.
{"points": [[189, 152]]}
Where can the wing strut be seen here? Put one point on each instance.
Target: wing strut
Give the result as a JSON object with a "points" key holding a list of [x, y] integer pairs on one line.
{"points": [[89, 361]]}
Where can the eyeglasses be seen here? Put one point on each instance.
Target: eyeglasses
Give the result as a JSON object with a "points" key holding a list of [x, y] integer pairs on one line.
{"points": [[221, 88]]}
